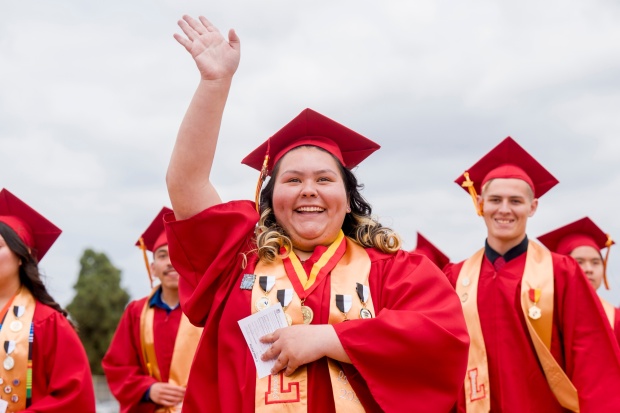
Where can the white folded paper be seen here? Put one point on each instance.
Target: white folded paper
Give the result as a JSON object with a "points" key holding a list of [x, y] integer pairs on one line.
{"points": [[258, 325]]}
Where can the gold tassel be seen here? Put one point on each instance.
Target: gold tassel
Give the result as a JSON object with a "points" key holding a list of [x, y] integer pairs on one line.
{"points": [[608, 246], [469, 184], [262, 177], [146, 261]]}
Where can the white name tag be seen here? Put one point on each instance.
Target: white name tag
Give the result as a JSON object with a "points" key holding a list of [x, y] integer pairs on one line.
{"points": [[3, 406]]}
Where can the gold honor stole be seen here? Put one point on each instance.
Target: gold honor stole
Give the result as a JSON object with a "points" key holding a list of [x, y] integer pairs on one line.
{"points": [[610, 312], [537, 291], [348, 264], [16, 336], [185, 346]]}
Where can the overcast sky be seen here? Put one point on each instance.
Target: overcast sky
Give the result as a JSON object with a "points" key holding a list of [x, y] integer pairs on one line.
{"points": [[92, 94]]}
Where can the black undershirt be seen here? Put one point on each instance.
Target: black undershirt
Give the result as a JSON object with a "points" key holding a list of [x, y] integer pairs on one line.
{"points": [[511, 254]]}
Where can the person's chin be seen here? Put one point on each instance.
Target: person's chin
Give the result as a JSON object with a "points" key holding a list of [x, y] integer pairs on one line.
{"points": [[309, 234], [172, 284]]}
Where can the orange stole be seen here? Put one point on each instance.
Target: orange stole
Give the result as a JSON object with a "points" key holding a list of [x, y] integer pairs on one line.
{"points": [[610, 312], [477, 385], [278, 393], [185, 346], [20, 353], [537, 274]]}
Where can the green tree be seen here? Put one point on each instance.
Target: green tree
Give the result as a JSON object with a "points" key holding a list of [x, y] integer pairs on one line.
{"points": [[98, 305]]}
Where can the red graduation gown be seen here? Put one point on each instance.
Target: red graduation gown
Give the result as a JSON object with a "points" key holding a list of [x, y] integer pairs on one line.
{"points": [[410, 357], [616, 326], [581, 341], [123, 364], [61, 377]]}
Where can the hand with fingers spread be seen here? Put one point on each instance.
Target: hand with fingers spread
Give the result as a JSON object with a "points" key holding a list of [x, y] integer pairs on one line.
{"points": [[297, 345], [166, 394], [216, 57]]}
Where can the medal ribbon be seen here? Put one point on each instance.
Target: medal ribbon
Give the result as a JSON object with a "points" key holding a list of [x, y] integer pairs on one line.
{"points": [[303, 284], [9, 346], [534, 294], [285, 296], [19, 310], [266, 282], [344, 302], [363, 292]]}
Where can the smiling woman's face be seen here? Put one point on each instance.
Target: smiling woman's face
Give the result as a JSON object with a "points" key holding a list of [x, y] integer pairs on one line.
{"points": [[309, 197]]}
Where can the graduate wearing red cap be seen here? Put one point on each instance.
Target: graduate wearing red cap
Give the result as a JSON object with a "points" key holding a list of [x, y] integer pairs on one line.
{"points": [[371, 327], [147, 363], [427, 248], [44, 366], [584, 241], [539, 337]]}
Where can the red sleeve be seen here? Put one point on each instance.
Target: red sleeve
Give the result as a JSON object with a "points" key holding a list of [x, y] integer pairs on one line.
{"points": [[127, 378], [61, 377], [592, 357], [413, 354], [452, 271], [204, 247]]}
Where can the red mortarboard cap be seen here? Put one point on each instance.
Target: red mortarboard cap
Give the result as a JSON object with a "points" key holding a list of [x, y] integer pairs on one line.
{"points": [[155, 236], [509, 160], [312, 128], [33, 228], [425, 247], [583, 232]]}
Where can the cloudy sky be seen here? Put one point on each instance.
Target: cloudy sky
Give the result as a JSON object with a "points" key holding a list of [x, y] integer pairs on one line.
{"points": [[92, 94]]}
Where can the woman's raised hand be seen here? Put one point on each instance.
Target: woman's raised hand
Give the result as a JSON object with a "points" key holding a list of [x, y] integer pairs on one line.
{"points": [[216, 57]]}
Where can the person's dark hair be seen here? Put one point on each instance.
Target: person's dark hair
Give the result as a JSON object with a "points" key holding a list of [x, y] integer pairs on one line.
{"points": [[358, 224], [29, 275]]}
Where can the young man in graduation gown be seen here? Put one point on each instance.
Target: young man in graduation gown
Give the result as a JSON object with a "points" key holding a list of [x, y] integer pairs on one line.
{"points": [[147, 363], [539, 341], [427, 248], [584, 241]]}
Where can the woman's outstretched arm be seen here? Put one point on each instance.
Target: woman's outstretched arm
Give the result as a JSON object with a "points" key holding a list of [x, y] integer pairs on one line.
{"points": [[217, 59]]}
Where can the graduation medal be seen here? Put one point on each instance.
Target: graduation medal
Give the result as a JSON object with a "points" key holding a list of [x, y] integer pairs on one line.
{"points": [[9, 362], [17, 325], [266, 283], [363, 292], [306, 313], [534, 311], [305, 283], [285, 297]]}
